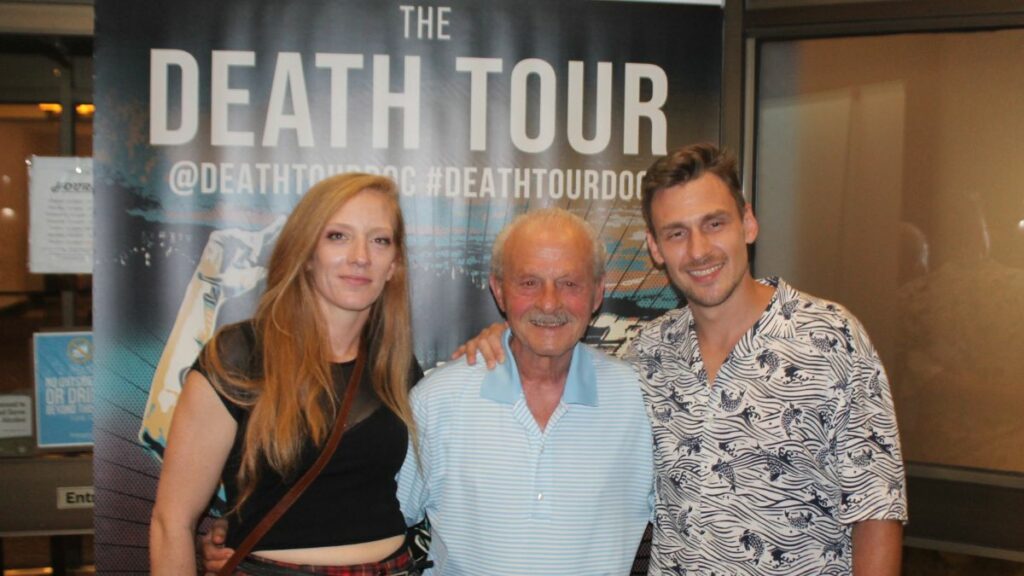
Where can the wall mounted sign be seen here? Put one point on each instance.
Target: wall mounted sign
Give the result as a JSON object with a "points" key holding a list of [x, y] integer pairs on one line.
{"points": [[63, 374], [60, 215]]}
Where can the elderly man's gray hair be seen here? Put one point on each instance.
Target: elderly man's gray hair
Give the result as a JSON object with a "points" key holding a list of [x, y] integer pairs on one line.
{"points": [[548, 217]]}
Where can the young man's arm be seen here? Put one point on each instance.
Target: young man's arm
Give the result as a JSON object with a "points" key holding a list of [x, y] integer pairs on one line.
{"points": [[877, 547]]}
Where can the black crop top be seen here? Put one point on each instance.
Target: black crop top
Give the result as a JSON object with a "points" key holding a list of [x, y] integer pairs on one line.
{"points": [[353, 499]]}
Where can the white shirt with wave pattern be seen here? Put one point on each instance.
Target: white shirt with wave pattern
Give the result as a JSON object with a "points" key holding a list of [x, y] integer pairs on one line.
{"points": [[766, 470]]}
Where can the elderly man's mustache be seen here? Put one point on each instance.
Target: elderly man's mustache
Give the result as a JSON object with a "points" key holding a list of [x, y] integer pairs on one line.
{"points": [[548, 319]]}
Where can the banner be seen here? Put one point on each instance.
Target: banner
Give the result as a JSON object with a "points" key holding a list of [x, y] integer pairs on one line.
{"points": [[214, 117]]}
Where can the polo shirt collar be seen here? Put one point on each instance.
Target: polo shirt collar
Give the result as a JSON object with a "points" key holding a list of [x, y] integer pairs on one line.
{"points": [[503, 385]]}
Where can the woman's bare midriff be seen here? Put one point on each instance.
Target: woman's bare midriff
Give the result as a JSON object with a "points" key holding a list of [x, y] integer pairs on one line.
{"points": [[362, 553]]}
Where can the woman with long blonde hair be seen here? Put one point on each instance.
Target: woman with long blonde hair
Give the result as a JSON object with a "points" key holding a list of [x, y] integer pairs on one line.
{"points": [[262, 398]]}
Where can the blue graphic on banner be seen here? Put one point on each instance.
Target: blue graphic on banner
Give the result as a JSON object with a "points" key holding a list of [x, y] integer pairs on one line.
{"points": [[63, 372]]}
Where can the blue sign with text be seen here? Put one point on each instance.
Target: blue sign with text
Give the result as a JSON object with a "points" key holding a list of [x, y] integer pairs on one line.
{"points": [[63, 371]]}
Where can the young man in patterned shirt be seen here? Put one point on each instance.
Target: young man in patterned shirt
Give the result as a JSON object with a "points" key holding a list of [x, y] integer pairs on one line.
{"points": [[775, 438]]}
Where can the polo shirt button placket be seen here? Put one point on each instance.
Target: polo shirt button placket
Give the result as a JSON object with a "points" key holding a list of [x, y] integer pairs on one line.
{"points": [[540, 465], [540, 483]]}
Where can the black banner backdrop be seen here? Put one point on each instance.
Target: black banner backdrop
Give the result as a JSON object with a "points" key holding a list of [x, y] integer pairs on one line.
{"points": [[214, 117]]}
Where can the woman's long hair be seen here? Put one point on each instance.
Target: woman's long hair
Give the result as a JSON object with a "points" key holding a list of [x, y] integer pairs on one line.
{"points": [[294, 398]]}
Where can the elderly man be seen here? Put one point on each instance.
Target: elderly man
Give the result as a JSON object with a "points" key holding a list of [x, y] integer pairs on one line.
{"points": [[544, 465]]}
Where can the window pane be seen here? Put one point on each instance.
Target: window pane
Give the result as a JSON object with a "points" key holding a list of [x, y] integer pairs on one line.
{"points": [[30, 302], [25, 130], [888, 178]]}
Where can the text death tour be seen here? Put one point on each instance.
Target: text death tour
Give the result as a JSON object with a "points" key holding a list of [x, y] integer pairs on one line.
{"points": [[533, 94]]}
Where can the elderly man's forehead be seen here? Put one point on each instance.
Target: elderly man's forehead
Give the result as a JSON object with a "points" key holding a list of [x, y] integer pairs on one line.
{"points": [[554, 234], [570, 247]]}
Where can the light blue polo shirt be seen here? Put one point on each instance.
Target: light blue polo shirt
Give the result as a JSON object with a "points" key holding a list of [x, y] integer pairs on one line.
{"points": [[504, 496]]}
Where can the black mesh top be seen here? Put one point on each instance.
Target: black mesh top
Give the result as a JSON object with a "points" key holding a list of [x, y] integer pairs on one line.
{"points": [[353, 499]]}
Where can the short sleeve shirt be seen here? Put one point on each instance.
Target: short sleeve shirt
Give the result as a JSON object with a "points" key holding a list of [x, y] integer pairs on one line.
{"points": [[506, 497], [765, 470]]}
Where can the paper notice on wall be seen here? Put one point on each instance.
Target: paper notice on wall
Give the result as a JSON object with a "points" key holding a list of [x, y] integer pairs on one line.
{"points": [[15, 415], [60, 220]]}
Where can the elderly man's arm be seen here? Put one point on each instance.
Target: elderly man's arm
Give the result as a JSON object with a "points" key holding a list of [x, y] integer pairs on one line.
{"points": [[412, 488], [414, 477], [877, 547]]}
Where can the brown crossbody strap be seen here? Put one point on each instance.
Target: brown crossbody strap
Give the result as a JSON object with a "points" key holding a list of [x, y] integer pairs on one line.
{"points": [[300, 486]]}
